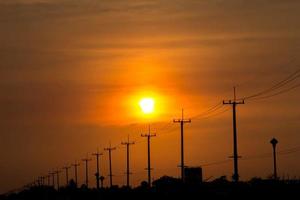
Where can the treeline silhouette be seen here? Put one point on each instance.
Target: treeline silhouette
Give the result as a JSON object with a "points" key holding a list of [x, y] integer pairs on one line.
{"points": [[168, 187]]}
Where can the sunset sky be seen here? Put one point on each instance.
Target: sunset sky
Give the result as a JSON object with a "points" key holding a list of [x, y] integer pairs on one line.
{"points": [[72, 73]]}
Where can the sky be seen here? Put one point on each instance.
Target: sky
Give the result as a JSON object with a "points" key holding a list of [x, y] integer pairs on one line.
{"points": [[72, 73]]}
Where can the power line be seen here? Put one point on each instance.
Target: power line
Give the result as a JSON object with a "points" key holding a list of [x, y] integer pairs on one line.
{"points": [[215, 114], [210, 110], [276, 94], [215, 163], [276, 86], [253, 157]]}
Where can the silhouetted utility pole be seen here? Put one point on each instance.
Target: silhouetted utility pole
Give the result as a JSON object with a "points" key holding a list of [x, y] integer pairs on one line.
{"points": [[67, 174], [39, 181], [127, 144], [234, 103], [43, 180], [75, 165], [97, 174], [86, 160], [101, 180], [148, 136], [53, 178], [57, 178], [182, 121], [110, 149], [48, 180], [274, 143]]}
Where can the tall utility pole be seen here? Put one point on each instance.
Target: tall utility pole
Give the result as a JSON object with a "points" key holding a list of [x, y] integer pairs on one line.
{"points": [[110, 149], [86, 160], [97, 168], [67, 174], [75, 165], [234, 103], [127, 144], [57, 178], [182, 121], [274, 143], [148, 136]]}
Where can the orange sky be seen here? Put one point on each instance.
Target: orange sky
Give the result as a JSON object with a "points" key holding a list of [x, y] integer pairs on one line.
{"points": [[72, 72]]}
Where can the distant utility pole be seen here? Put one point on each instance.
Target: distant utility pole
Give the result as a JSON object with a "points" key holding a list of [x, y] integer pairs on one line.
{"points": [[53, 178], [148, 136], [182, 121], [86, 160], [97, 168], [48, 180], [110, 149], [274, 143], [234, 103], [75, 165], [43, 180], [67, 174], [101, 180], [39, 180], [57, 178], [127, 144]]}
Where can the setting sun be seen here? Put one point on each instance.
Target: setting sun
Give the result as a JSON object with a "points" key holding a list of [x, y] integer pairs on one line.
{"points": [[147, 105]]}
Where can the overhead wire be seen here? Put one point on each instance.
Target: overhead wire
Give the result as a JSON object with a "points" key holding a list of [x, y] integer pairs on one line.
{"points": [[267, 93]]}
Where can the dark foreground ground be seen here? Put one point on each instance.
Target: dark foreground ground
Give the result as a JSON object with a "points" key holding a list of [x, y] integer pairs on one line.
{"points": [[169, 188]]}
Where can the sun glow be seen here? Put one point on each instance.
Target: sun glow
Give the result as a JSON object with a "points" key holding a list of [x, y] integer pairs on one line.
{"points": [[147, 105]]}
